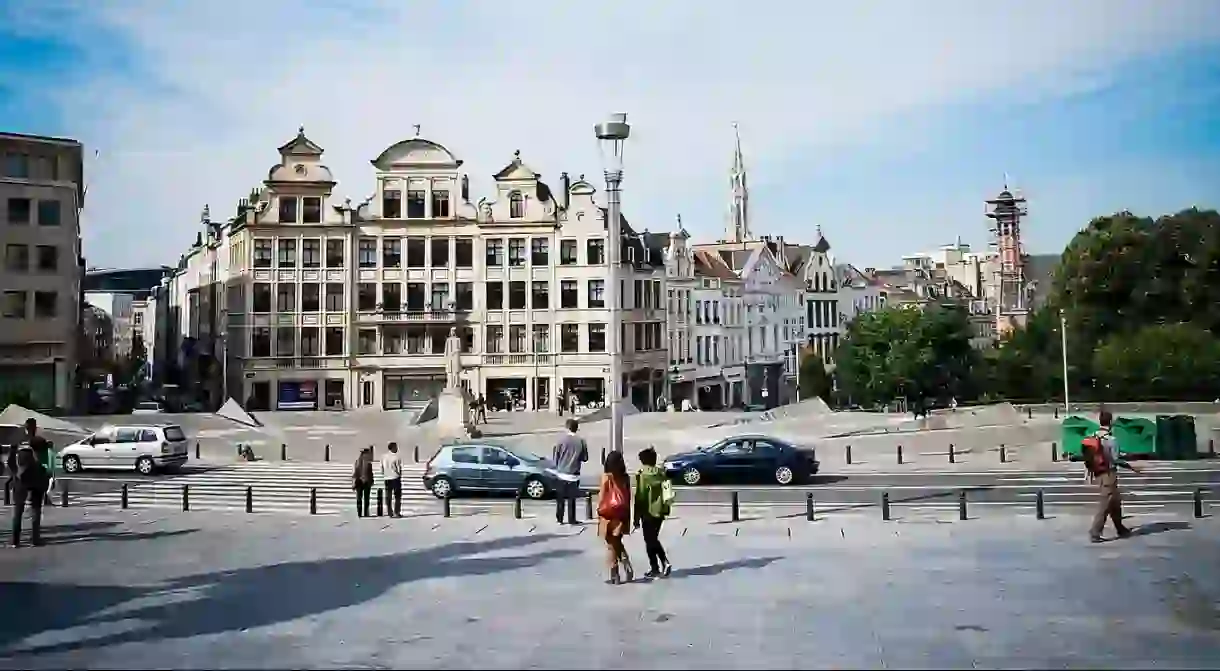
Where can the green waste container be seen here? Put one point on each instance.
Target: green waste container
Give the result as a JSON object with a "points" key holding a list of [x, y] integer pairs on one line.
{"points": [[1176, 438], [1076, 429], [1136, 436]]}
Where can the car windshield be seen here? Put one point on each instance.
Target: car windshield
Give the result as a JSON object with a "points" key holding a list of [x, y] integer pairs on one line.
{"points": [[174, 434], [526, 455]]}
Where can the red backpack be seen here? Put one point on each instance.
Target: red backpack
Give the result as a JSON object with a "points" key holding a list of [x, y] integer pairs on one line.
{"points": [[1094, 455]]}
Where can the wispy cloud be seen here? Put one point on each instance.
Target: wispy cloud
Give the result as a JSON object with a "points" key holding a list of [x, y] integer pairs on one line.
{"points": [[187, 101]]}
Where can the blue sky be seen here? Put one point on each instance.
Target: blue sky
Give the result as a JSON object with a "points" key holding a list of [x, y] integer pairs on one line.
{"points": [[884, 125]]}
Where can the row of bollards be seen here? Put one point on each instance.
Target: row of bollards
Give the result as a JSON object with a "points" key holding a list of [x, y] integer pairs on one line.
{"points": [[325, 452], [953, 452]]}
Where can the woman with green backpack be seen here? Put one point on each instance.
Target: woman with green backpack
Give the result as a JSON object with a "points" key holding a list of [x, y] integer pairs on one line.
{"points": [[654, 496]]}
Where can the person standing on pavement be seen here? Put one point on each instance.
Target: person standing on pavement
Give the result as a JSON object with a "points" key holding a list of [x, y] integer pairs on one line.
{"points": [[481, 405], [653, 497], [1101, 458], [614, 516], [570, 452], [30, 482], [391, 472], [362, 481]]}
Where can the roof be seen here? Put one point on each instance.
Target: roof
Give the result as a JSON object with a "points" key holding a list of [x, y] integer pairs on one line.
{"points": [[712, 265], [655, 243]]}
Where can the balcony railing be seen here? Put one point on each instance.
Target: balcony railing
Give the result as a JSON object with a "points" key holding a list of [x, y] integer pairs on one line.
{"points": [[288, 363], [411, 316]]}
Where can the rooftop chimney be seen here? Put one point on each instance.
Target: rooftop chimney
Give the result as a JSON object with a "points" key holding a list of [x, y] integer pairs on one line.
{"points": [[565, 184]]}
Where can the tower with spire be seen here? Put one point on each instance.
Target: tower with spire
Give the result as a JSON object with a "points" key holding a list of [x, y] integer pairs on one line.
{"points": [[737, 229], [1006, 211]]}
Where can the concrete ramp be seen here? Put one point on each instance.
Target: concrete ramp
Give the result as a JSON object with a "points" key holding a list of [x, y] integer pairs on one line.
{"points": [[232, 411], [429, 413], [15, 414], [625, 408]]}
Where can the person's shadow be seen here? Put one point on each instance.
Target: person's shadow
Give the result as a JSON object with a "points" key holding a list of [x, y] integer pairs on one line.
{"points": [[247, 598], [721, 567]]}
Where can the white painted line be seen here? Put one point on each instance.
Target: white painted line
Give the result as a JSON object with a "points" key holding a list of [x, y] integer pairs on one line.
{"points": [[1124, 493]]}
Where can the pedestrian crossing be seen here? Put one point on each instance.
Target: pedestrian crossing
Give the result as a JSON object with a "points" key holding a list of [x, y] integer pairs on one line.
{"points": [[283, 488]]}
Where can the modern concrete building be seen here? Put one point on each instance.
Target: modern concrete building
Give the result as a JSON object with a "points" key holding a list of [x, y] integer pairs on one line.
{"points": [[120, 308], [308, 301], [41, 194]]}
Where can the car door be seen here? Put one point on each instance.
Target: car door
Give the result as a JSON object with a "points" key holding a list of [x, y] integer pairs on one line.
{"points": [[95, 451], [126, 448], [731, 458], [150, 442], [765, 458], [467, 472], [499, 471]]}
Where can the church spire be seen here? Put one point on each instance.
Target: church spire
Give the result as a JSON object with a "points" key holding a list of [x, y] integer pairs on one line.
{"points": [[738, 226]]}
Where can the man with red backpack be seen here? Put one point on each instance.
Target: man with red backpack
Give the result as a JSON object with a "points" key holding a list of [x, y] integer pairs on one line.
{"points": [[1101, 457]]}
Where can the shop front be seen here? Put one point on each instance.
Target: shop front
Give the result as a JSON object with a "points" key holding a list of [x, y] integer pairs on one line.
{"points": [[297, 395]]}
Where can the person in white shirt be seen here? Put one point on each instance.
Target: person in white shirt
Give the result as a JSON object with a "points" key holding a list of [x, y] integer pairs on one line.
{"points": [[391, 472]]}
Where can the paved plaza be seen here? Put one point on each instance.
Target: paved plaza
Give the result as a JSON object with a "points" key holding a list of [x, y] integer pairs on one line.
{"points": [[153, 589]]}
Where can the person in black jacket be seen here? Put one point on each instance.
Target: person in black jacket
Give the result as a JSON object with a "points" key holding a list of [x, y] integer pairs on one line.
{"points": [[30, 481]]}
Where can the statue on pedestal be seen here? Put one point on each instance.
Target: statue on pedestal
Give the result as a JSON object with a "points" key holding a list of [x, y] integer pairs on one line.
{"points": [[453, 410], [453, 360]]}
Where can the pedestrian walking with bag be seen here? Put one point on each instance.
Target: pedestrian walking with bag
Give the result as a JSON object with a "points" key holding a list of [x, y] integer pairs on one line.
{"points": [[362, 481], [614, 517], [1101, 459], [654, 497]]}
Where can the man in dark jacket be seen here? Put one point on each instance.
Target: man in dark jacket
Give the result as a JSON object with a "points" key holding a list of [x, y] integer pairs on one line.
{"points": [[30, 481], [570, 452]]}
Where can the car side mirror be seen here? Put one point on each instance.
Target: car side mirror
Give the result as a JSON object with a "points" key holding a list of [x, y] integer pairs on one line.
{"points": [[91, 440]]}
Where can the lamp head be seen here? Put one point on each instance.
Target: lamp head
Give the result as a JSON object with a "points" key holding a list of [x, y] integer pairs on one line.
{"points": [[612, 137]]}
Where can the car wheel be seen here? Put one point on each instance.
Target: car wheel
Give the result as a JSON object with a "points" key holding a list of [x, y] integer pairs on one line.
{"points": [[442, 487], [784, 475], [72, 464], [534, 489], [692, 476], [145, 466]]}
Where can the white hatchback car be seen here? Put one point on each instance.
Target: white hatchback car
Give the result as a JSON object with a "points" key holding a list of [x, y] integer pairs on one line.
{"points": [[146, 448]]}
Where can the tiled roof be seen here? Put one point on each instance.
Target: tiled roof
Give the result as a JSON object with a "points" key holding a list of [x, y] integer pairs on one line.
{"points": [[711, 265]]}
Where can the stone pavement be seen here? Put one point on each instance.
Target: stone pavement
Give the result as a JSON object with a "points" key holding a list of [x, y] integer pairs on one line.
{"points": [[233, 591]]}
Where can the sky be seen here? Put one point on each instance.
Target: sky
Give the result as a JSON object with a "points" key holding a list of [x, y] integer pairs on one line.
{"points": [[885, 123]]}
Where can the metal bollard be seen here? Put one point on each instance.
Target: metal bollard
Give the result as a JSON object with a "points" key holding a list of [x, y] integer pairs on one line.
{"points": [[809, 513], [63, 494], [589, 506], [249, 499], [848, 450], [313, 500], [446, 507], [380, 502], [8, 493], [885, 506], [572, 510], [900, 454], [1056, 412], [952, 456], [517, 506], [603, 456], [123, 497], [1040, 506], [735, 505], [326, 453], [961, 505], [196, 449], [417, 454], [1054, 451], [1211, 447], [283, 452], [1003, 454], [1198, 502], [186, 498]]}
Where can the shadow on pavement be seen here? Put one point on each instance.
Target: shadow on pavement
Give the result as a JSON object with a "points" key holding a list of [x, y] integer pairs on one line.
{"points": [[722, 567], [247, 598], [1153, 528], [848, 507]]}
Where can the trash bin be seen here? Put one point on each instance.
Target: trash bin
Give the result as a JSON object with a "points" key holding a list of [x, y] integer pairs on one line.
{"points": [[1185, 439], [1076, 429], [1166, 437], [1136, 436]]}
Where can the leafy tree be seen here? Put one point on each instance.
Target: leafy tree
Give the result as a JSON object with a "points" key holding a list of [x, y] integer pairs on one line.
{"points": [[1162, 361], [907, 353], [814, 379]]}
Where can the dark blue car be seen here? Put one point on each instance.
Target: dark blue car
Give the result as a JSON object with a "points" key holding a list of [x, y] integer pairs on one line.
{"points": [[749, 458]]}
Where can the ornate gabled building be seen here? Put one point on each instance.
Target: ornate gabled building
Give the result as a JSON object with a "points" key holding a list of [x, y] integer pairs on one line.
{"points": [[332, 303]]}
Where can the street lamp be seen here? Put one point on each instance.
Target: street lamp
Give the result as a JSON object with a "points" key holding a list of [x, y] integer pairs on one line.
{"points": [[1063, 335], [612, 137]]}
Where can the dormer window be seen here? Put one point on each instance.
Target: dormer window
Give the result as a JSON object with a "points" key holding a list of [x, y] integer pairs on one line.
{"points": [[416, 208], [288, 210], [516, 205], [391, 204], [440, 204]]}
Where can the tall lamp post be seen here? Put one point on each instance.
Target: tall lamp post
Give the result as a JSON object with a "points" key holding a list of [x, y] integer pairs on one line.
{"points": [[612, 137], [1063, 336]]}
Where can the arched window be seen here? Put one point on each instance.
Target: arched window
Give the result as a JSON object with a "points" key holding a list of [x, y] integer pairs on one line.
{"points": [[516, 205]]}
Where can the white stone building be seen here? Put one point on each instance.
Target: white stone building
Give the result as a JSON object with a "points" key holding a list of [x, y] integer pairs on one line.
{"points": [[858, 292], [42, 191], [329, 304], [823, 324]]}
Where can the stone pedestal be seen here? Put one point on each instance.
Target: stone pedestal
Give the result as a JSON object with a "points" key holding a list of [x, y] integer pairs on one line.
{"points": [[452, 412]]}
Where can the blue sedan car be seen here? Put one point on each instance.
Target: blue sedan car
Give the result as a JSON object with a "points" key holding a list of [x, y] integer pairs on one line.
{"points": [[748, 458]]}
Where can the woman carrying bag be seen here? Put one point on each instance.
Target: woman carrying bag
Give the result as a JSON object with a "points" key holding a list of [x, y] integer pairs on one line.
{"points": [[614, 516]]}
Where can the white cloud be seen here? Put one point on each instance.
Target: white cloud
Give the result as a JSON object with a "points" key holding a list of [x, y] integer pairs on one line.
{"points": [[227, 82]]}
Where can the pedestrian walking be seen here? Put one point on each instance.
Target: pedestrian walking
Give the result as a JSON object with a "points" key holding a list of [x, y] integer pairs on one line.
{"points": [[570, 452], [614, 517], [654, 496], [391, 473], [1101, 458], [30, 482], [481, 404], [362, 481]]}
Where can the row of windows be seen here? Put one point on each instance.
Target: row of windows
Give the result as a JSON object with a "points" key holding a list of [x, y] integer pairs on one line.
{"points": [[21, 211], [307, 210], [27, 166], [416, 204], [17, 258], [822, 314], [17, 304], [413, 252]]}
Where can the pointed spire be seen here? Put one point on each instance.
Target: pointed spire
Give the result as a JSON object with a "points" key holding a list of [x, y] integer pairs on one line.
{"points": [[737, 228]]}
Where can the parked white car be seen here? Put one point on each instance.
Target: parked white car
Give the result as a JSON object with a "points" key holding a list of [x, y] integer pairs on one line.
{"points": [[147, 408], [147, 448]]}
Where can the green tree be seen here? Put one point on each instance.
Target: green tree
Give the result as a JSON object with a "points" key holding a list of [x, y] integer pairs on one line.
{"points": [[1162, 361], [815, 381], [907, 353]]}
